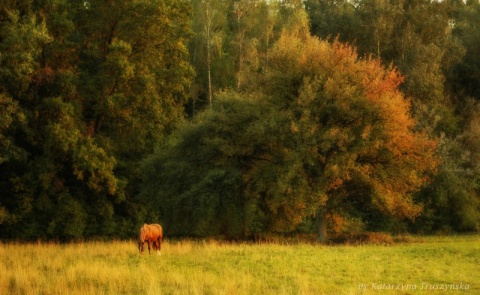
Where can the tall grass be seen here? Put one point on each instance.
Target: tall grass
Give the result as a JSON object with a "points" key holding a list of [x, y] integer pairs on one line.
{"points": [[187, 267]]}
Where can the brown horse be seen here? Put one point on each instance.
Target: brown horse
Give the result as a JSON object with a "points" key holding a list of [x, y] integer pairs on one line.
{"points": [[150, 233]]}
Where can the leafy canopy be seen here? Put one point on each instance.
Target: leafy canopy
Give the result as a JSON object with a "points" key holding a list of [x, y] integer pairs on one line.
{"points": [[86, 89]]}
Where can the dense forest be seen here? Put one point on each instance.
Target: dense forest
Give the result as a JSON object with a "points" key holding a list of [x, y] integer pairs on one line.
{"points": [[236, 118]]}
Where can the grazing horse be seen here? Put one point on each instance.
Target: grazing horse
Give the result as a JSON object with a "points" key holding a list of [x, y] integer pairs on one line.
{"points": [[150, 233]]}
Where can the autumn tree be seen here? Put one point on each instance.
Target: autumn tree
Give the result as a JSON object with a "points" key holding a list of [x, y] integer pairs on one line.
{"points": [[352, 125], [434, 44]]}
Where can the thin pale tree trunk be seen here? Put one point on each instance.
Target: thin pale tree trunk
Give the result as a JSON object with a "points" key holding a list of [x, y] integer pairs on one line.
{"points": [[209, 66]]}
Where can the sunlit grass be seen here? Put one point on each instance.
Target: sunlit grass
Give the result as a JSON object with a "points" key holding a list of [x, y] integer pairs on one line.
{"points": [[188, 267]]}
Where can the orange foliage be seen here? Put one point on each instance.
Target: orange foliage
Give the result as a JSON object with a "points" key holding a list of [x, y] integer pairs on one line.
{"points": [[361, 94]]}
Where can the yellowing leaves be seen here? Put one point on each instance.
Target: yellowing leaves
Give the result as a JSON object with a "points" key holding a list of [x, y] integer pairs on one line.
{"points": [[362, 123], [366, 132]]}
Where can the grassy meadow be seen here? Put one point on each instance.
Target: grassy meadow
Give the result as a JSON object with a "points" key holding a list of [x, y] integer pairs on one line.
{"points": [[424, 266]]}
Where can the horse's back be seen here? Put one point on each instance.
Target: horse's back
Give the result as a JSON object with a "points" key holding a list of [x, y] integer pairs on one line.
{"points": [[159, 229], [155, 230]]}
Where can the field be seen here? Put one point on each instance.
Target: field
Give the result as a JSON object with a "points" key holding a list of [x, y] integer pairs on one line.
{"points": [[427, 265]]}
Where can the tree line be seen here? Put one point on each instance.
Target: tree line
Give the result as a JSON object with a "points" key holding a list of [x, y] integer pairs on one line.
{"points": [[238, 117]]}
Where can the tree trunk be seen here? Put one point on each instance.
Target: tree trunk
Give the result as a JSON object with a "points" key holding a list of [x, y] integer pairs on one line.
{"points": [[321, 218], [208, 26]]}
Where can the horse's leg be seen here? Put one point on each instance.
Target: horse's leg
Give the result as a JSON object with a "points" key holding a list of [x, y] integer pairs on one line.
{"points": [[148, 242], [157, 246]]}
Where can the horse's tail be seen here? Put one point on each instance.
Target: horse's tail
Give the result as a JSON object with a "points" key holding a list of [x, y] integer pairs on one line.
{"points": [[159, 238], [160, 229]]}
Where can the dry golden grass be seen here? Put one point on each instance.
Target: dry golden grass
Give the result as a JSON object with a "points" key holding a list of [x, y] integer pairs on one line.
{"points": [[187, 267]]}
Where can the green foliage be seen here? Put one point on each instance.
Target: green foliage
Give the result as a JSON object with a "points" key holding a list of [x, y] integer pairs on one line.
{"points": [[465, 76], [11, 116], [230, 48], [452, 201], [88, 88], [196, 177]]}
